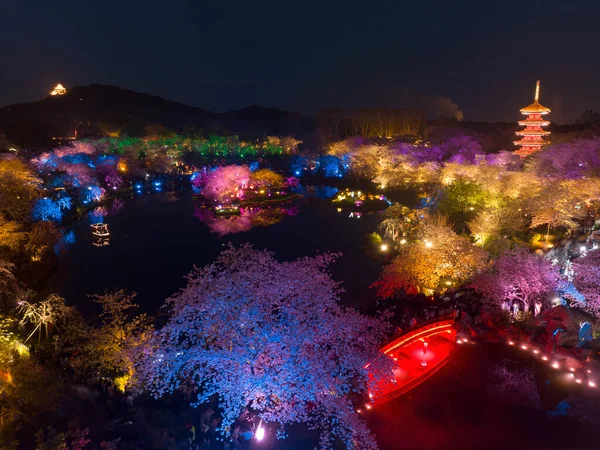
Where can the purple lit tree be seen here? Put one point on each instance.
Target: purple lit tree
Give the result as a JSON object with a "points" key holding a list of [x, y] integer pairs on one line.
{"points": [[270, 336], [586, 279], [462, 149], [571, 160], [518, 277]]}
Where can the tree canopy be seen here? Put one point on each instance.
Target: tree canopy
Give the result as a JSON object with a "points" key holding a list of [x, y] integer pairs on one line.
{"points": [[270, 336]]}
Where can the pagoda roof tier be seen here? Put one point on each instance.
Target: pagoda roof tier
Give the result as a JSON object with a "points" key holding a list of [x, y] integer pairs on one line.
{"points": [[525, 151], [535, 108], [529, 122], [530, 142], [529, 132]]}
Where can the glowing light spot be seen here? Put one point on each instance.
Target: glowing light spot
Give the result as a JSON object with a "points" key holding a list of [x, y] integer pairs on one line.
{"points": [[536, 351], [524, 347], [368, 406], [511, 343], [59, 89], [384, 247], [555, 365], [572, 369], [578, 380], [592, 384], [428, 244], [545, 358], [402, 241], [260, 433]]}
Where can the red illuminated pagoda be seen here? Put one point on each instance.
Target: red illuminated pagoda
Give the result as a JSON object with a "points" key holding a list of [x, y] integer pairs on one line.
{"points": [[532, 137]]}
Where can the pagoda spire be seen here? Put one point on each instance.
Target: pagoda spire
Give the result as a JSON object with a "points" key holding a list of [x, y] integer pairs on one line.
{"points": [[532, 137]]}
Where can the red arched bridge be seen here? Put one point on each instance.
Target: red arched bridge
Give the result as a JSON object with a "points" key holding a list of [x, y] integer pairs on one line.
{"points": [[417, 354]]}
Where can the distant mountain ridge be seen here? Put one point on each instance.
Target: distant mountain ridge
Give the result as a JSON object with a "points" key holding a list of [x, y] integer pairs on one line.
{"points": [[109, 110]]}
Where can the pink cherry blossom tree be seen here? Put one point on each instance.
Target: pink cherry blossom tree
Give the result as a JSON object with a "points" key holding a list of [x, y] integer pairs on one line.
{"points": [[221, 184], [586, 279], [75, 148], [519, 278], [270, 336]]}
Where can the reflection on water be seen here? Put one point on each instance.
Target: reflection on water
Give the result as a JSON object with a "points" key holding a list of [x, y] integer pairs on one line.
{"points": [[246, 220], [155, 240]]}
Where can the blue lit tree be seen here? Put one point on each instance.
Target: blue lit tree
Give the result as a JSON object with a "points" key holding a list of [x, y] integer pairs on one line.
{"points": [[270, 336], [331, 166], [48, 209]]}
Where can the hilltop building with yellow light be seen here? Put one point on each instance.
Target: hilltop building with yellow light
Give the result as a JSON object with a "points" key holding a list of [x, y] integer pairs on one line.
{"points": [[532, 137], [59, 89]]}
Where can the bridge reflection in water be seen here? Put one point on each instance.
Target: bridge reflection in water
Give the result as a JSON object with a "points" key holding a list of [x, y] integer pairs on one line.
{"points": [[417, 354]]}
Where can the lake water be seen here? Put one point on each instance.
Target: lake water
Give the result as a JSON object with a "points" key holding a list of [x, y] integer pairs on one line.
{"points": [[156, 238]]}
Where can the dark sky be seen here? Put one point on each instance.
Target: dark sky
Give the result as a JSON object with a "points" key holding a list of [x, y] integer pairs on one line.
{"points": [[301, 55]]}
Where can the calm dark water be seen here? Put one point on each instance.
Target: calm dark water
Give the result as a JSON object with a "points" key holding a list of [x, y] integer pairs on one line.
{"points": [[155, 239]]}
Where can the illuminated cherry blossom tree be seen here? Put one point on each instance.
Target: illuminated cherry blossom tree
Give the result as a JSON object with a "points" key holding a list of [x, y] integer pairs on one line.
{"points": [[492, 228], [518, 277], [50, 209], [19, 187], [586, 279], [266, 177], [437, 259], [268, 335], [222, 183], [571, 160]]}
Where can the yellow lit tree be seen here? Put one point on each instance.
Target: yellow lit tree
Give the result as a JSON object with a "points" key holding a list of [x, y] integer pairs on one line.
{"points": [[19, 187], [266, 177], [109, 348], [437, 260], [492, 228]]}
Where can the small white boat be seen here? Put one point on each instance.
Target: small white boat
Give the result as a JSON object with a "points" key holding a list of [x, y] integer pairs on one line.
{"points": [[100, 229]]}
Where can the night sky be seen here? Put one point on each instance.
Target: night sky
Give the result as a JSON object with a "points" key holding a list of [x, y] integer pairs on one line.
{"points": [[220, 55]]}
